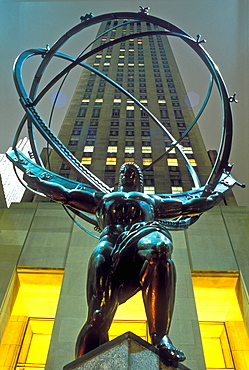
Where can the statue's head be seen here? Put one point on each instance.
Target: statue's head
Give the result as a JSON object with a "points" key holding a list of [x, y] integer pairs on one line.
{"points": [[130, 178]]}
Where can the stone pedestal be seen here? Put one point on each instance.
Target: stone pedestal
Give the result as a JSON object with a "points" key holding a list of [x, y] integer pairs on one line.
{"points": [[126, 352]]}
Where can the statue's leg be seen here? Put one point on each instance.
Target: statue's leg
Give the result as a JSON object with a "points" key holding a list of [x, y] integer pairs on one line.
{"points": [[101, 307], [158, 279]]}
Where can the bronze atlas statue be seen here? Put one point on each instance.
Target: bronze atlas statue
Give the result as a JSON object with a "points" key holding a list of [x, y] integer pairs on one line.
{"points": [[135, 247]]}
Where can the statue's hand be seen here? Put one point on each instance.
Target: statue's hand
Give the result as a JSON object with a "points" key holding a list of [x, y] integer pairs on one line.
{"points": [[32, 180]]}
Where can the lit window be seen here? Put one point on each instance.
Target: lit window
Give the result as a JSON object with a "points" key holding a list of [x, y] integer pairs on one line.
{"points": [[111, 161], [121, 56], [147, 161], [108, 56], [141, 64], [98, 100], [130, 107], [216, 345], [131, 64], [224, 337], [172, 162], [146, 149], [122, 49], [162, 101], [120, 64], [116, 100], [35, 343], [112, 149], [129, 149], [176, 189], [144, 101], [98, 56], [106, 64], [193, 162], [149, 189], [86, 160], [127, 160], [85, 100], [89, 148], [96, 64], [188, 150], [37, 296]]}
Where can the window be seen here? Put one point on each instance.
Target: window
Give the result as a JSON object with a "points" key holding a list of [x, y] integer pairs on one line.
{"points": [[26, 339], [112, 149], [78, 123], [94, 123], [111, 161], [176, 189], [178, 113], [76, 132], [193, 162], [73, 142], [172, 162], [99, 101], [82, 112], [164, 113], [129, 159], [86, 160], [117, 101], [188, 150], [89, 148], [115, 112], [146, 149], [96, 112], [113, 133], [146, 133], [147, 161], [130, 113], [129, 149], [92, 131], [129, 133], [224, 338], [143, 114], [149, 189]]}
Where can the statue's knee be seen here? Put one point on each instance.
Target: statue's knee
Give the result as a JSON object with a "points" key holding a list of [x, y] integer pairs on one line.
{"points": [[162, 250]]}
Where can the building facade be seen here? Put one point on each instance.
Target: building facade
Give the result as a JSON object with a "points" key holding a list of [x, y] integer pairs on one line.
{"points": [[12, 188]]}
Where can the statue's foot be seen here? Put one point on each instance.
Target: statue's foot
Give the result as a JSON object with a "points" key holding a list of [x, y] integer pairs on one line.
{"points": [[169, 351]]}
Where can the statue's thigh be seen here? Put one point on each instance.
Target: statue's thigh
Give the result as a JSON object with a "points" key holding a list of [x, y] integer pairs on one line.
{"points": [[155, 242]]}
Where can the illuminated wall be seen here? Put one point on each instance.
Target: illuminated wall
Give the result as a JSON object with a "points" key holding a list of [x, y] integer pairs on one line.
{"points": [[41, 235]]}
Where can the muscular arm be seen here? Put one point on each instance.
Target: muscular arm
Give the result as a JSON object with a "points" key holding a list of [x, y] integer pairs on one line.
{"points": [[192, 203], [79, 199]]}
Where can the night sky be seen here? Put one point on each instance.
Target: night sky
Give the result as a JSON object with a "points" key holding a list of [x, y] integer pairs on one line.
{"points": [[223, 23]]}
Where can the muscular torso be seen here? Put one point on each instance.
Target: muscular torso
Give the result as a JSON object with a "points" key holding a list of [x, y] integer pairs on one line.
{"points": [[121, 208]]}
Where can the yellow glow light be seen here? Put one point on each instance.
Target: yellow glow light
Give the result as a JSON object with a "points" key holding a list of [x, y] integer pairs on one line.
{"points": [[224, 337], [172, 162], [111, 161], [86, 160]]}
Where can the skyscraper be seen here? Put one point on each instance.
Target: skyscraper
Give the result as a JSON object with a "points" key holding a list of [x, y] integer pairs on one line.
{"points": [[12, 188], [104, 128]]}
